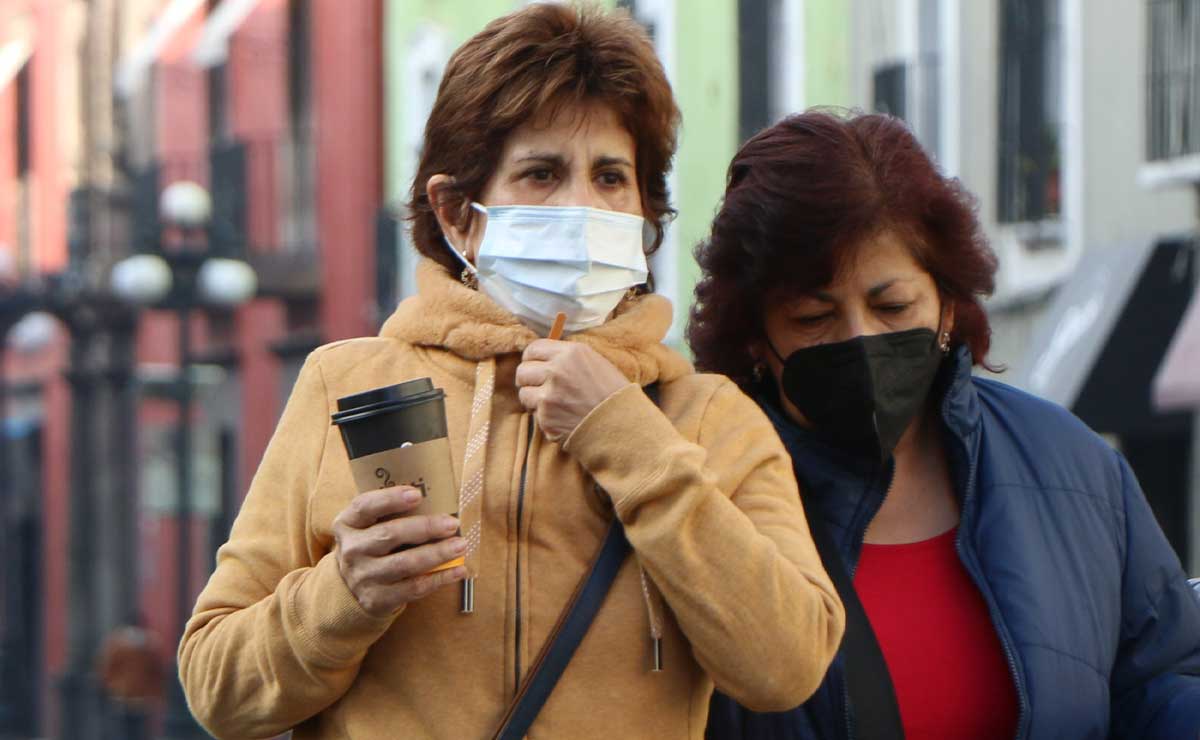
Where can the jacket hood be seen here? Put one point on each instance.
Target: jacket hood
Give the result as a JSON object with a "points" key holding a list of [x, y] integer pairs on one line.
{"points": [[448, 315]]}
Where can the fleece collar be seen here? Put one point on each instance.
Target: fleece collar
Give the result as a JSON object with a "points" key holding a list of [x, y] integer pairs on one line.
{"points": [[448, 315]]}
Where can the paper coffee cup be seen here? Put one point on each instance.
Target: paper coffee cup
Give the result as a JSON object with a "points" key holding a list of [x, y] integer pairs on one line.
{"points": [[396, 435]]}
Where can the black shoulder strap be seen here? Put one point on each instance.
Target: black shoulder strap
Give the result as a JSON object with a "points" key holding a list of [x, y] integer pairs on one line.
{"points": [[572, 625], [868, 682]]}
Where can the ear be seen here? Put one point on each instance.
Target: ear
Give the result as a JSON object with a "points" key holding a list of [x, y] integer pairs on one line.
{"points": [[947, 317], [453, 212]]}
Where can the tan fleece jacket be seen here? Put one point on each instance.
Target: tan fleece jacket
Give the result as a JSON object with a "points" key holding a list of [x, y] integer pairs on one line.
{"points": [[703, 487]]}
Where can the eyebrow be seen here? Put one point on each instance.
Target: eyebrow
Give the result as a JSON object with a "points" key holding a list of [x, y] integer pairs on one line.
{"points": [[609, 161], [874, 292], [881, 287], [558, 160], [546, 157]]}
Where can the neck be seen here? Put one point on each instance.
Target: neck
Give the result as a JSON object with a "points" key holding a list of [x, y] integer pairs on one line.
{"points": [[920, 503], [919, 441]]}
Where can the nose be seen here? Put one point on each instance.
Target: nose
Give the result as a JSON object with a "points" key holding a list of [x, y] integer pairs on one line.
{"points": [[857, 322], [580, 191]]}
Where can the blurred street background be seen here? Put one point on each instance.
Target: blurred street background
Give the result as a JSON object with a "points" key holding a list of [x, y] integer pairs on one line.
{"points": [[196, 193]]}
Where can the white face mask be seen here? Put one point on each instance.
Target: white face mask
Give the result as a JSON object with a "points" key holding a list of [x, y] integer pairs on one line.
{"points": [[538, 261]]}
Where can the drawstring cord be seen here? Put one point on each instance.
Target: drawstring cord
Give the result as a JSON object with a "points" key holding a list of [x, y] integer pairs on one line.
{"points": [[470, 495]]}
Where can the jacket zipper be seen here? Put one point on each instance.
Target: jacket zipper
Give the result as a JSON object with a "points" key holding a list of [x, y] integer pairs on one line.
{"points": [[520, 515], [859, 536], [967, 555]]}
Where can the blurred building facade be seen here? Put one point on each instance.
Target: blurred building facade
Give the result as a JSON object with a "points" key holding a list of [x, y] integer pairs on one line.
{"points": [[103, 104]]}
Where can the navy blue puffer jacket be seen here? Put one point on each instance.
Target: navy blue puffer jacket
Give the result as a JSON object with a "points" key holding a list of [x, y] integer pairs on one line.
{"points": [[1099, 625]]}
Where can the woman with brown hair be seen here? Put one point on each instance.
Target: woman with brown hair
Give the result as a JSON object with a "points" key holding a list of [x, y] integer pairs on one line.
{"points": [[1001, 571], [540, 192]]}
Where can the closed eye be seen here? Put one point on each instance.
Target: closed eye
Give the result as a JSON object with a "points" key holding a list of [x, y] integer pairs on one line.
{"points": [[893, 308], [811, 319]]}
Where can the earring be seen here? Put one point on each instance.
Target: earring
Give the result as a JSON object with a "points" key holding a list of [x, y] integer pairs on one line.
{"points": [[944, 342], [758, 371], [468, 279]]}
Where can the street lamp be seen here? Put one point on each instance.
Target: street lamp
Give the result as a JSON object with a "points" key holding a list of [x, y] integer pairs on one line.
{"points": [[29, 316], [24, 334], [186, 269]]}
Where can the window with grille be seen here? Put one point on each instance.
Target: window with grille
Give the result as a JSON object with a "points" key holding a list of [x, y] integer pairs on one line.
{"points": [[754, 60], [888, 90], [299, 160], [1173, 84], [928, 71], [218, 98], [1030, 163]]}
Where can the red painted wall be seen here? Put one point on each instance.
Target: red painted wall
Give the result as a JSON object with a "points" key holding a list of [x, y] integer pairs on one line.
{"points": [[48, 158], [348, 97], [257, 88], [48, 228], [8, 172]]}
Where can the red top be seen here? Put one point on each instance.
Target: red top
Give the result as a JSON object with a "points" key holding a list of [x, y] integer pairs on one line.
{"points": [[951, 676]]}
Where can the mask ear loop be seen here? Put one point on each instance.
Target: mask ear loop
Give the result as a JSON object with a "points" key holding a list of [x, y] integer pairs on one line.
{"points": [[468, 268], [773, 350]]}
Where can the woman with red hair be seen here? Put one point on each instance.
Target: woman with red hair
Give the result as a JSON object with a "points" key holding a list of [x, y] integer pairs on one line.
{"points": [[1002, 573]]}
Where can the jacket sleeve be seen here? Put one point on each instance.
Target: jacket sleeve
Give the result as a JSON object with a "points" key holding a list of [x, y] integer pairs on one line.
{"points": [[719, 527], [276, 636], [1156, 676]]}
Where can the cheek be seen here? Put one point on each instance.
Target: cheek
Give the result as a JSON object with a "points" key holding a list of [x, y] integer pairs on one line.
{"points": [[930, 316], [623, 200]]}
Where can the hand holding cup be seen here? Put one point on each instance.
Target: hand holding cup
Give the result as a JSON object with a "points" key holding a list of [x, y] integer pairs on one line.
{"points": [[385, 552]]}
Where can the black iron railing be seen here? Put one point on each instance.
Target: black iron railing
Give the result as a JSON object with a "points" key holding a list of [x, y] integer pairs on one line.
{"points": [[263, 193]]}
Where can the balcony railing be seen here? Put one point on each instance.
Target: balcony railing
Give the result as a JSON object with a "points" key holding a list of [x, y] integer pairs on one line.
{"points": [[264, 205], [279, 175], [1173, 79]]}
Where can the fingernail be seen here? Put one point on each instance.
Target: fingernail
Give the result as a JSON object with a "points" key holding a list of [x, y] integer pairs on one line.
{"points": [[449, 523], [459, 546], [411, 496]]}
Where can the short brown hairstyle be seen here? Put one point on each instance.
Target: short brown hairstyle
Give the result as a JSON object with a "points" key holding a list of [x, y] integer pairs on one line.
{"points": [[529, 63], [799, 197]]}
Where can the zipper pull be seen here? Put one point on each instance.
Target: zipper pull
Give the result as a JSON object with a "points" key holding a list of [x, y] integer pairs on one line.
{"points": [[658, 662]]}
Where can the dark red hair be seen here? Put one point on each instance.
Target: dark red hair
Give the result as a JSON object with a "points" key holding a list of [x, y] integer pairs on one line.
{"points": [[800, 196]]}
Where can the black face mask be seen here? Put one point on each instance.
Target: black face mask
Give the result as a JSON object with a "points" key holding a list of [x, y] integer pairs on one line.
{"points": [[864, 392]]}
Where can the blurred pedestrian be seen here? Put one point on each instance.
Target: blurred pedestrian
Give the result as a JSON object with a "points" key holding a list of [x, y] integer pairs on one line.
{"points": [[1002, 573], [130, 667], [541, 189]]}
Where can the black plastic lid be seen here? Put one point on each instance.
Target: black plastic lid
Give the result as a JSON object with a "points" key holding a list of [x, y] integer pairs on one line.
{"points": [[407, 391]]}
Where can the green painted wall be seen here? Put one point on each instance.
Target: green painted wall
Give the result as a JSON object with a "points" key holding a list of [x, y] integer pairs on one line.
{"points": [[706, 89], [403, 19], [827, 52]]}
